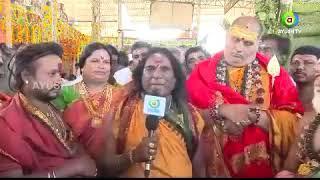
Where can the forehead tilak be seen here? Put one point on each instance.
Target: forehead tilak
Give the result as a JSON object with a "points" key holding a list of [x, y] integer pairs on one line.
{"points": [[243, 32]]}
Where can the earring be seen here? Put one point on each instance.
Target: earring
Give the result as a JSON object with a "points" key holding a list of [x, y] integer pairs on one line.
{"points": [[27, 82]]}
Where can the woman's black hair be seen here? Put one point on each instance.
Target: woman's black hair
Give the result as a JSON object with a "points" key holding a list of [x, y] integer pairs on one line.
{"points": [[88, 50]]}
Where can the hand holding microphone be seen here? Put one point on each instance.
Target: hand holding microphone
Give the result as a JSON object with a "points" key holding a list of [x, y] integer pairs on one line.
{"points": [[154, 108], [146, 150]]}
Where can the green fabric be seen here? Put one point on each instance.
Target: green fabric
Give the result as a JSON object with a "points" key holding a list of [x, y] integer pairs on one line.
{"points": [[315, 175], [68, 95], [178, 116]]}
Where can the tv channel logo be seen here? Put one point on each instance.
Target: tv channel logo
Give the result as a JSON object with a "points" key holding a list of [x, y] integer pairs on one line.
{"points": [[289, 19], [154, 105]]}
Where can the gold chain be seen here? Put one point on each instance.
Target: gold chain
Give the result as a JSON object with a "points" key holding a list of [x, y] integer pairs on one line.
{"points": [[62, 134], [59, 124], [98, 114]]}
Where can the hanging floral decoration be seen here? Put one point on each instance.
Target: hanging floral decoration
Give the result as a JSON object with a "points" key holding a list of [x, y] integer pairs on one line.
{"points": [[29, 26]]}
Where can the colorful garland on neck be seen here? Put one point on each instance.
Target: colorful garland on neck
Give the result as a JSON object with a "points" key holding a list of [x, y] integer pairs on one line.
{"points": [[307, 150], [305, 144], [251, 77]]}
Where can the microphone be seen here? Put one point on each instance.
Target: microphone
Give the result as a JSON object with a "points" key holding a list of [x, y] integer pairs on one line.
{"points": [[152, 123], [154, 107]]}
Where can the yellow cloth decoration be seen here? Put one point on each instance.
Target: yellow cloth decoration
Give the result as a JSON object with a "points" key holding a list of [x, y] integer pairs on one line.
{"points": [[243, 33], [236, 77]]}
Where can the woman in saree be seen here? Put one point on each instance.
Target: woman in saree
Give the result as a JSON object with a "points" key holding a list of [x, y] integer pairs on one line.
{"points": [[86, 103]]}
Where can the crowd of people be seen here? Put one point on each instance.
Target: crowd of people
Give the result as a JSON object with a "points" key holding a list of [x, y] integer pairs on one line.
{"points": [[227, 114]]}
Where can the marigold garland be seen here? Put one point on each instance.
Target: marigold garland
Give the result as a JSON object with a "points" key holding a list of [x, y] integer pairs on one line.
{"points": [[29, 26]]}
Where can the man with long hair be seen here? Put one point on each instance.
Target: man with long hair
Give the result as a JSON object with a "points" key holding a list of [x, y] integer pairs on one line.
{"points": [[35, 141], [175, 141]]}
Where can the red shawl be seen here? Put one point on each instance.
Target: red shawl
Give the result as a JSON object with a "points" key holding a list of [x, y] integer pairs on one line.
{"points": [[202, 84], [27, 143], [4, 100]]}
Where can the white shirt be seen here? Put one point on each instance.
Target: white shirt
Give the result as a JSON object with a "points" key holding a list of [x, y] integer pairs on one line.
{"points": [[123, 76]]}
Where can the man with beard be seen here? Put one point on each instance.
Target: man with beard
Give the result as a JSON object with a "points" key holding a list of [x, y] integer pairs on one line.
{"points": [[35, 141], [303, 71], [304, 68], [252, 112]]}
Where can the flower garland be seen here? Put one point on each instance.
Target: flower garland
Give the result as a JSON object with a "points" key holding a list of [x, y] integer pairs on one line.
{"points": [[252, 76], [30, 27], [306, 148]]}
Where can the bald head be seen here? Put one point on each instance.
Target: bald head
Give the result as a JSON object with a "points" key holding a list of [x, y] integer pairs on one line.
{"points": [[249, 22], [242, 41]]}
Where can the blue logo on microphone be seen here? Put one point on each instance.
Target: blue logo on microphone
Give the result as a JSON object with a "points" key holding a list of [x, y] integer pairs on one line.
{"points": [[154, 105]]}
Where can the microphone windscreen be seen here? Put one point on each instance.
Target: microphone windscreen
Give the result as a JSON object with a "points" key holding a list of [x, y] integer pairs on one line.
{"points": [[152, 122]]}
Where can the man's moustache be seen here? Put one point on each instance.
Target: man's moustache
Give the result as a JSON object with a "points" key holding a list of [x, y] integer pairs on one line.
{"points": [[237, 55], [299, 72]]}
